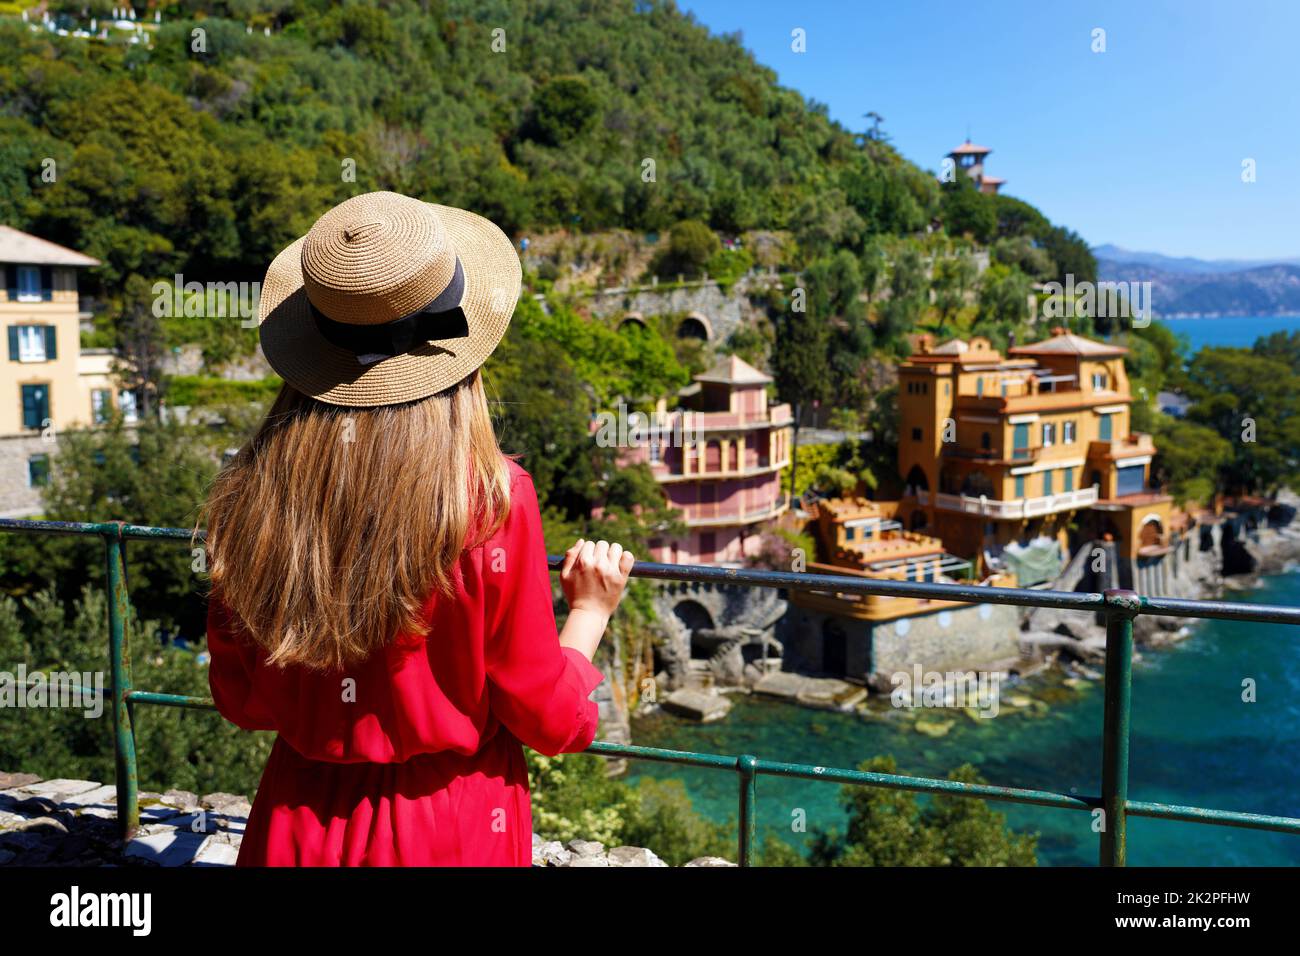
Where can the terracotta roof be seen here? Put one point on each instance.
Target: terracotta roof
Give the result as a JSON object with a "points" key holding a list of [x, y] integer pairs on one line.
{"points": [[734, 370], [1067, 343], [969, 147], [19, 247], [848, 507]]}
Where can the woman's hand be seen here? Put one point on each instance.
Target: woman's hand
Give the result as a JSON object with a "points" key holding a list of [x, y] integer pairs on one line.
{"points": [[594, 576]]}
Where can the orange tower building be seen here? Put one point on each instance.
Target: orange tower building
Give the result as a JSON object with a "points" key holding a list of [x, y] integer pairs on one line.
{"points": [[1001, 455]]}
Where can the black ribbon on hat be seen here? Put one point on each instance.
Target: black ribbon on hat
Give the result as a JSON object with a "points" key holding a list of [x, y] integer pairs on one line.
{"points": [[442, 318]]}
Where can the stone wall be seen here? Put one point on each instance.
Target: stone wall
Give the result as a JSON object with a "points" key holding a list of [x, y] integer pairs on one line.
{"points": [[964, 638], [724, 312], [18, 499], [733, 626]]}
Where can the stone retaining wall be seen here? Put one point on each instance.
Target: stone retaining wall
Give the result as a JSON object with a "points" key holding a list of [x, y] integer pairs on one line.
{"points": [[963, 638]]}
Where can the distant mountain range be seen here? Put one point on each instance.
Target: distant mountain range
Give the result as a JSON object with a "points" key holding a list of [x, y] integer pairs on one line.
{"points": [[1184, 286]]}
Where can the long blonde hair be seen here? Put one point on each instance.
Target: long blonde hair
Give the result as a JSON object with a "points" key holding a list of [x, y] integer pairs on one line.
{"points": [[332, 528]]}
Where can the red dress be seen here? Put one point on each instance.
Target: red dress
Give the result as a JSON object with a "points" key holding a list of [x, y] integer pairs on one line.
{"points": [[418, 763]]}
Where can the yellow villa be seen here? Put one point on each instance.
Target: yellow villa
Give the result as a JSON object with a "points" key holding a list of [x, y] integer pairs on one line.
{"points": [[1001, 456], [47, 384]]}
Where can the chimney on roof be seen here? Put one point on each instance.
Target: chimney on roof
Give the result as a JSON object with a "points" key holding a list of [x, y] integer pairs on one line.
{"points": [[923, 342], [1058, 330]]}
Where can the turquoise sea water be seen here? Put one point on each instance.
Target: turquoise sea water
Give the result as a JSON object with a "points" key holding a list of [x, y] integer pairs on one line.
{"points": [[1235, 331], [1193, 742]]}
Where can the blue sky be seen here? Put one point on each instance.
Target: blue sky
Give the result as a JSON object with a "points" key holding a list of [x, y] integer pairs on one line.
{"points": [[1141, 145]]}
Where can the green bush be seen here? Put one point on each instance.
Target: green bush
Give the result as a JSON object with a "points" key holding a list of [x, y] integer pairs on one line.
{"points": [[691, 245]]}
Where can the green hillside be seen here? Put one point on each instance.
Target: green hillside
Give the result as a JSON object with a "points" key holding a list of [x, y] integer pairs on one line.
{"points": [[541, 114]]}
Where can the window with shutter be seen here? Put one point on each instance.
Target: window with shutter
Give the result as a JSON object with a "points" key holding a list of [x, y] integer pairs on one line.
{"points": [[38, 471], [29, 284], [36, 405], [51, 343], [31, 343]]}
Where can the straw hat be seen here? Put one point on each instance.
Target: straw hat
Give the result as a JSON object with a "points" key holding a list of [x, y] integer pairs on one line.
{"points": [[387, 300]]}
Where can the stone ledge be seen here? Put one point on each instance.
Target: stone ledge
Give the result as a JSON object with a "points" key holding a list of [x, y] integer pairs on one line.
{"points": [[590, 853], [64, 822]]}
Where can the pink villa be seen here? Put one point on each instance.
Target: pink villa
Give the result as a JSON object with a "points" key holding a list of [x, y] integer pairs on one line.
{"points": [[718, 458]]}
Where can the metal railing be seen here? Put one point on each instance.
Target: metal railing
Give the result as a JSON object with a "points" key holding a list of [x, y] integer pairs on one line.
{"points": [[1119, 607]]}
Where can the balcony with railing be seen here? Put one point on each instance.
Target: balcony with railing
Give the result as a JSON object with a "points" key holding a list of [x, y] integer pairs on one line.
{"points": [[732, 512], [1026, 454], [1136, 445], [1011, 507], [1119, 607]]}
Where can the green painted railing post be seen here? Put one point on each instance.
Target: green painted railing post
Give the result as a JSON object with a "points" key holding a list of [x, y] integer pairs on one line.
{"points": [[1121, 607], [746, 767], [119, 606]]}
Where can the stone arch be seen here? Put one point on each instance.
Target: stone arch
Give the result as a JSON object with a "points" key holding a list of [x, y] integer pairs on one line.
{"points": [[835, 649], [916, 479], [695, 617], [695, 326], [632, 319]]}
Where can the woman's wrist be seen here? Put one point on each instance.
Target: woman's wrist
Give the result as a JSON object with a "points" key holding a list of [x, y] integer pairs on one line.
{"points": [[583, 630], [594, 615]]}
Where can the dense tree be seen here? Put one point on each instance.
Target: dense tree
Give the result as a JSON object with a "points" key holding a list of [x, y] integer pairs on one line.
{"points": [[892, 828], [152, 473], [1249, 399], [799, 365], [909, 294], [1003, 303], [953, 278], [566, 108], [691, 244], [1283, 346], [1189, 458], [968, 212]]}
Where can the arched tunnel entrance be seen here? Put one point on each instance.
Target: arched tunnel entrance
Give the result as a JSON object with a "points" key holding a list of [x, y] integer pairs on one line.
{"points": [[695, 617]]}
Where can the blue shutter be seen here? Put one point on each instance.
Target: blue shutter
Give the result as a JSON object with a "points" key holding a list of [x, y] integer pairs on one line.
{"points": [[1131, 480], [13, 343], [47, 283], [35, 404], [11, 282], [1020, 440], [1105, 428], [51, 343]]}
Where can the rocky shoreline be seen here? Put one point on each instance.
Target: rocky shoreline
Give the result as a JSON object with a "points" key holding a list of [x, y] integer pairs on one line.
{"points": [[1062, 653]]}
